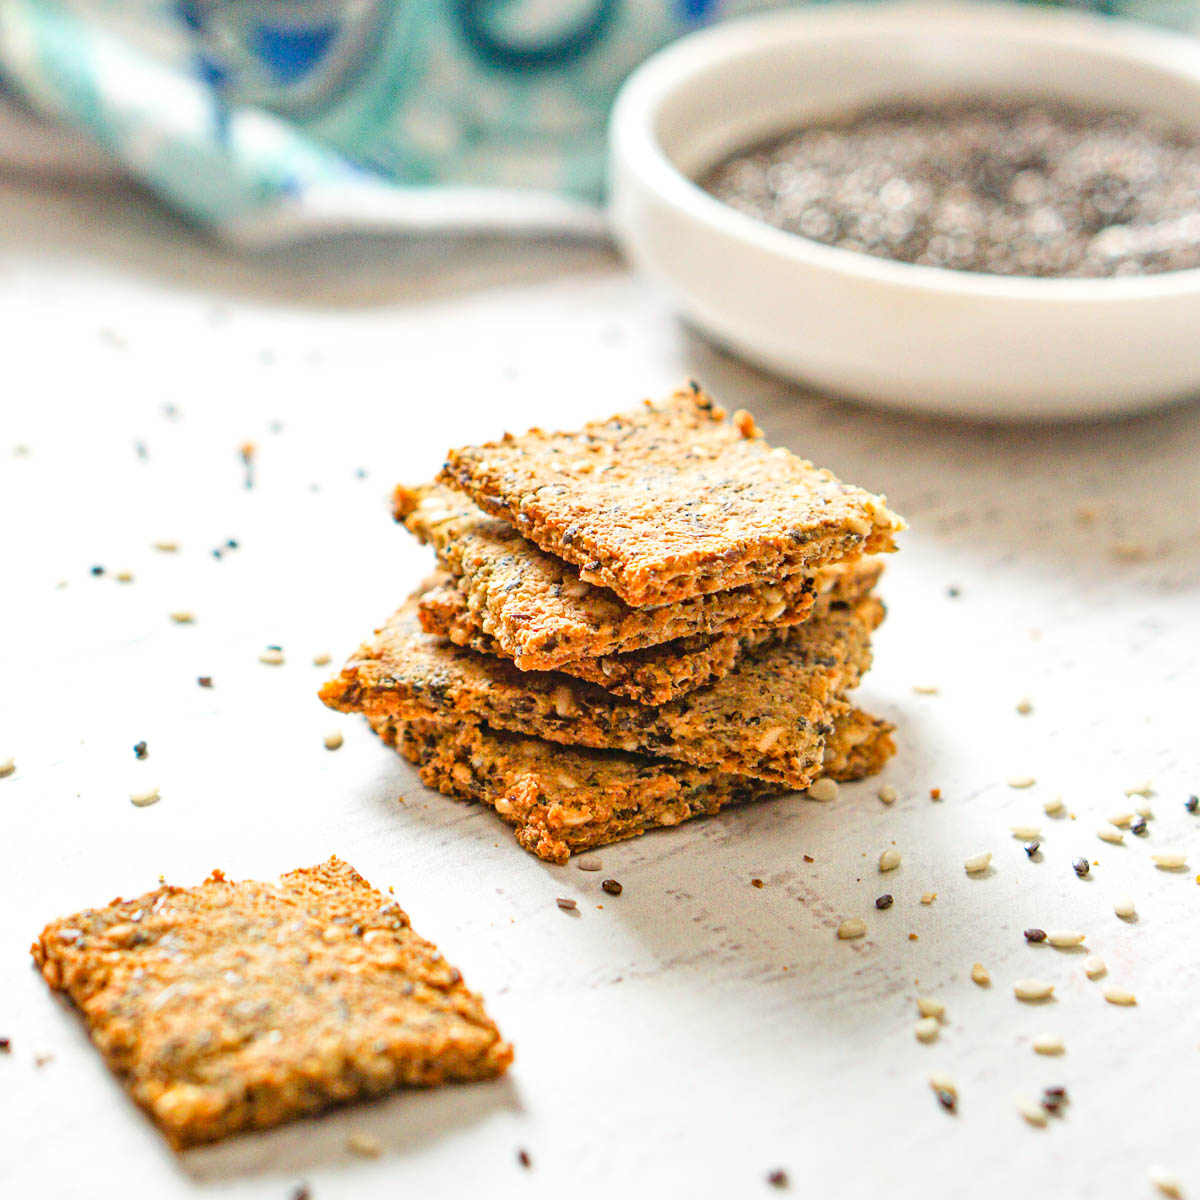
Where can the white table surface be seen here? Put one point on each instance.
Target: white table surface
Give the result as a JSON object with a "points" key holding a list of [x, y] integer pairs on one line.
{"points": [[696, 1032]]}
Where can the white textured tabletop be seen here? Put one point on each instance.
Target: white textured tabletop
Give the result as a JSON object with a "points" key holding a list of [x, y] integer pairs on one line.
{"points": [[695, 1033]]}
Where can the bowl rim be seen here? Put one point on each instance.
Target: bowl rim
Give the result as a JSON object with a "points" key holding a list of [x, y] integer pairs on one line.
{"points": [[632, 133]]}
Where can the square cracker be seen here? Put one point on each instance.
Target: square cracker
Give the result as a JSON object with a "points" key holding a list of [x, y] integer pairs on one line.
{"points": [[653, 674], [672, 500], [542, 615], [767, 718], [565, 800], [234, 1006]]}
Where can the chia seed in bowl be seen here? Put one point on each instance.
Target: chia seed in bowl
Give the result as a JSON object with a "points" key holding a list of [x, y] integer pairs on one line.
{"points": [[1037, 188]]}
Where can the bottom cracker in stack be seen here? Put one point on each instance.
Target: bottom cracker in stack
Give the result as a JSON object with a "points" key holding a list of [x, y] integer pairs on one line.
{"points": [[482, 729]]}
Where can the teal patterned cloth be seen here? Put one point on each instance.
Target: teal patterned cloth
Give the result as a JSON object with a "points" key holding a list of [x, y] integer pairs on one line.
{"points": [[270, 119]]}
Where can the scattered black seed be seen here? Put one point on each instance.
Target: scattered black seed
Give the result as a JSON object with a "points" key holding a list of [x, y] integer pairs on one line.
{"points": [[216, 552], [612, 887], [523, 1158], [947, 1099], [139, 750], [953, 593], [279, 648], [232, 543], [302, 1192], [170, 411], [1192, 804], [246, 450], [97, 570], [276, 427], [360, 473], [1054, 1098], [1031, 848], [778, 1179], [204, 681], [884, 901], [5, 1045], [140, 450], [1139, 828], [1082, 867], [1035, 935]]}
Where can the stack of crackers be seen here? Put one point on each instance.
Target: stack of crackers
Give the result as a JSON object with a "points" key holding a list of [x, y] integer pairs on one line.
{"points": [[635, 623]]}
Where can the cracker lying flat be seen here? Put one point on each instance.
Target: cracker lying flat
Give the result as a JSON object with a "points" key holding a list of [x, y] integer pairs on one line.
{"points": [[655, 674], [671, 501], [541, 614], [234, 1006], [562, 801], [767, 718]]}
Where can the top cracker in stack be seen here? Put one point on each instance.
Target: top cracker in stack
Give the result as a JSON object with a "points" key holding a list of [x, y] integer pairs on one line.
{"points": [[642, 588]]}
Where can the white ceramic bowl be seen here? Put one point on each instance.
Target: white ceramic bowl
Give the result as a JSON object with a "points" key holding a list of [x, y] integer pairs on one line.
{"points": [[869, 328]]}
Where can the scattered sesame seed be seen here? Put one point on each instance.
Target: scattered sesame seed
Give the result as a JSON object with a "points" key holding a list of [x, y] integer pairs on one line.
{"points": [[777, 1179], [1140, 789], [1053, 806], [165, 547], [1033, 989], [364, 1145], [1081, 867], [1035, 935], [926, 689], [566, 903], [1024, 707], [884, 901], [1122, 820], [824, 789], [205, 681], [144, 799], [1048, 1043], [888, 794], [1119, 995], [889, 860], [272, 656], [1111, 834], [124, 576], [1032, 1112], [927, 1006], [855, 927], [181, 616], [139, 750], [1065, 938], [1031, 848], [756, 883], [523, 1158], [928, 897], [589, 862], [1026, 833], [1022, 781], [1138, 827], [7, 766], [978, 863], [1170, 860], [1125, 908], [1094, 966], [321, 660], [611, 886], [980, 975], [1166, 1181], [927, 1029], [1129, 552], [333, 740], [1192, 803], [1144, 810]]}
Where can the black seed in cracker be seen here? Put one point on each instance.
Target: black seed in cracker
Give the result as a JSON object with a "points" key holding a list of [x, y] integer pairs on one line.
{"points": [[884, 901], [139, 750], [612, 887], [1082, 867], [1031, 848]]}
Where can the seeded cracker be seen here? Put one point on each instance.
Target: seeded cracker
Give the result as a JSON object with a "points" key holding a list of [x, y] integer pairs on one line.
{"points": [[672, 501], [655, 674], [542, 615], [767, 718], [235, 1006], [566, 800]]}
